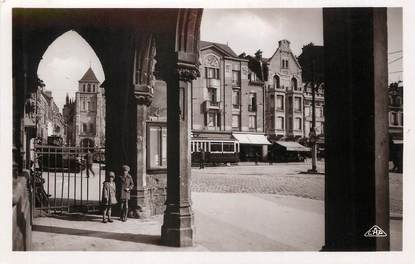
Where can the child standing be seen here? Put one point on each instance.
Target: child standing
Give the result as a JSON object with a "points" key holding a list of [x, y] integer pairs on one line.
{"points": [[125, 185], [108, 196]]}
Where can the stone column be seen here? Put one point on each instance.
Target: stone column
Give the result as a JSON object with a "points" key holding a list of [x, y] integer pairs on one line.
{"points": [[357, 179], [143, 98], [177, 229]]}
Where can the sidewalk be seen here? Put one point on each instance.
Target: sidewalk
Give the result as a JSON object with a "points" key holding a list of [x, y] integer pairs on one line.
{"points": [[223, 222]]}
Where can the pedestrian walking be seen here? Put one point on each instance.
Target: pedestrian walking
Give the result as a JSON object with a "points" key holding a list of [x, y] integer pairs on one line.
{"points": [[125, 185], [108, 197], [202, 158], [89, 162]]}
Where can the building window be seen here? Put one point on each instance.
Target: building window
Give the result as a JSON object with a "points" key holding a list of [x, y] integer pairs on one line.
{"points": [[84, 87], [212, 95], [236, 78], [394, 118], [297, 124], [83, 104], [276, 81], [280, 102], [89, 106], [92, 128], [212, 73], [84, 128], [320, 112], [212, 119], [89, 88], [297, 104], [252, 102], [307, 111], [284, 64], [280, 123], [157, 150], [236, 121], [236, 99], [294, 85], [252, 122], [401, 118]]}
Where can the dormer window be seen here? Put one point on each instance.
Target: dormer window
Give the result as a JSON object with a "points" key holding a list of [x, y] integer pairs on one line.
{"points": [[89, 88]]}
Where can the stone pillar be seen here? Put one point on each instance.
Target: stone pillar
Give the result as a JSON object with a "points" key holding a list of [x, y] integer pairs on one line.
{"points": [[264, 152], [357, 180], [143, 98], [177, 229]]}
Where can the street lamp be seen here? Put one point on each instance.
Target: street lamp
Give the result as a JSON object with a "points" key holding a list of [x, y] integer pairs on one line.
{"points": [[313, 135]]}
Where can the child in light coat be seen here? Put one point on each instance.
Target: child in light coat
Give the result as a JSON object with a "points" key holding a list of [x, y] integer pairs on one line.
{"points": [[108, 196]]}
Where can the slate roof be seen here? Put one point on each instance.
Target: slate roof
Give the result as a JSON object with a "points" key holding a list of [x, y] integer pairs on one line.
{"points": [[89, 76], [223, 47]]}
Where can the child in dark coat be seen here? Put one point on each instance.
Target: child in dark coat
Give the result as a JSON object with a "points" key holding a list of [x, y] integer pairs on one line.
{"points": [[108, 196], [125, 185]]}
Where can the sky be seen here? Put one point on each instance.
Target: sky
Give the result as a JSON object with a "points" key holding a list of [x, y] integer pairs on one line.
{"points": [[244, 30]]}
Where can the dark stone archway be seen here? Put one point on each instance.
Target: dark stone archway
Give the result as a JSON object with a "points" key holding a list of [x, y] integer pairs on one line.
{"points": [[117, 36]]}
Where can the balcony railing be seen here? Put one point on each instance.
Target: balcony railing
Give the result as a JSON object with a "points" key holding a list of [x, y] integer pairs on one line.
{"points": [[213, 83], [236, 83], [211, 105]]}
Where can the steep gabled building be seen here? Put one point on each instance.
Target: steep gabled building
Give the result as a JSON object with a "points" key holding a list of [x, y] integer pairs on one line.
{"points": [[284, 95]]}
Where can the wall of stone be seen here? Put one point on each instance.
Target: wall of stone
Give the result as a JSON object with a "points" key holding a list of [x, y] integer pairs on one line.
{"points": [[157, 191], [21, 228]]}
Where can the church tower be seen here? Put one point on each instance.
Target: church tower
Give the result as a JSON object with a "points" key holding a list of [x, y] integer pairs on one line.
{"points": [[90, 111]]}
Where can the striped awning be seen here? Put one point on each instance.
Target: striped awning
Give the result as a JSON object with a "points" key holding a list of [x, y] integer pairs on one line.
{"points": [[252, 139], [293, 146]]}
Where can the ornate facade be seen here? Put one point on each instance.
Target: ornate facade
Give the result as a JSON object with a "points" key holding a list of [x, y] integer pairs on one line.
{"points": [[285, 99], [225, 105]]}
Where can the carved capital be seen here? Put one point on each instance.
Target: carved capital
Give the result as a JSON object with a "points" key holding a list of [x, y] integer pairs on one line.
{"points": [[143, 94], [187, 72]]}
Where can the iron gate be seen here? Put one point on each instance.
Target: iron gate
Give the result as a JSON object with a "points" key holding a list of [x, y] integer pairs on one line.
{"points": [[67, 179]]}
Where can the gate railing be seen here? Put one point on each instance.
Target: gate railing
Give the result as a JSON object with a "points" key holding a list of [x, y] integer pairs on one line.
{"points": [[67, 178]]}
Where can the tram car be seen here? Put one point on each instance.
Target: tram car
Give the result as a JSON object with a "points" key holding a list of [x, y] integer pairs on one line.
{"points": [[216, 152]]}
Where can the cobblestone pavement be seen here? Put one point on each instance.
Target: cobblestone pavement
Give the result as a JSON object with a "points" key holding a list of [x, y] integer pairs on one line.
{"points": [[279, 178]]}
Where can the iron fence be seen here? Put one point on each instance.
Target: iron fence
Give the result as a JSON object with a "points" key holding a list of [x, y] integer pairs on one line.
{"points": [[67, 179]]}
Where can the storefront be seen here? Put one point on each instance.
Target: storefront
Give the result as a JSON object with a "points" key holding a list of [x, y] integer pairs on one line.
{"points": [[287, 151], [253, 147]]}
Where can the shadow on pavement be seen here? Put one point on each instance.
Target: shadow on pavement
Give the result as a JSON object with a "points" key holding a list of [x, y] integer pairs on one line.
{"points": [[77, 217], [137, 238]]}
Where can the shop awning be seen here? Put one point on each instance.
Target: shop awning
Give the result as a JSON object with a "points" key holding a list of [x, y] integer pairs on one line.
{"points": [[293, 146], [252, 139]]}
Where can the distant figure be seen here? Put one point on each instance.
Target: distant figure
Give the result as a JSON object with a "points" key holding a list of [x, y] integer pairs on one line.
{"points": [[89, 162], [108, 196], [125, 184], [256, 158], [202, 158], [270, 157]]}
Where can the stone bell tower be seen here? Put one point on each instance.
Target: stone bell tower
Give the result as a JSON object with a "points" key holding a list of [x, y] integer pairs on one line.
{"points": [[90, 111]]}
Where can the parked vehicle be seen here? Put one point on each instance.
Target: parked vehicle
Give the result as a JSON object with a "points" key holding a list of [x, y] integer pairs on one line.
{"points": [[55, 158]]}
